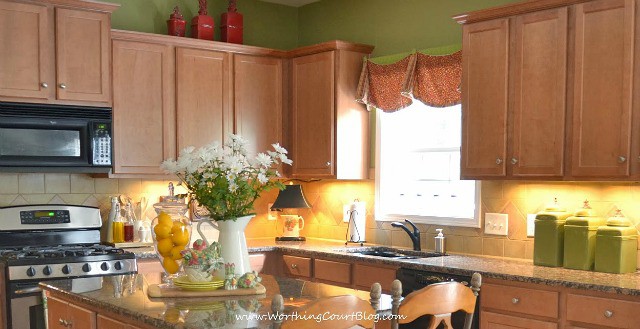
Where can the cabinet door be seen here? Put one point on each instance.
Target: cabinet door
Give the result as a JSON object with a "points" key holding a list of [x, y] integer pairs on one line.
{"points": [[258, 101], [56, 313], [484, 98], [490, 320], [26, 67], [82, 55], [313, 135], [297, 266], [539, 83], [603, 83], [80, 317], [143, 107], [336, 272], [109, 323], [203, 112]]}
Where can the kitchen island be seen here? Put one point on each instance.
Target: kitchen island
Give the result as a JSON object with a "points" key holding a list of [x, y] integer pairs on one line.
{"points": [[134, 309]]}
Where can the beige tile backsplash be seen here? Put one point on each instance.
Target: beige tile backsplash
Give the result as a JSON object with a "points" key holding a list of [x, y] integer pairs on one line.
{"points": [[324, 219]]}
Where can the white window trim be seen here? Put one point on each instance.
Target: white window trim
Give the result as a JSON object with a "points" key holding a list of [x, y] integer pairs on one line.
{"points": [[445, 221]]}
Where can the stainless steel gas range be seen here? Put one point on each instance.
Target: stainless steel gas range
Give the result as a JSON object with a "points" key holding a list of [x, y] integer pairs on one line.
{"points": [[46, 243]]}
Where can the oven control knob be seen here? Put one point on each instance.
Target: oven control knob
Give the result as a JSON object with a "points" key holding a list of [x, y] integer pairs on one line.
{"points": [[47, 270], [66, 269], [31, 271], [118, 265], [86, 267], [104, 266]]}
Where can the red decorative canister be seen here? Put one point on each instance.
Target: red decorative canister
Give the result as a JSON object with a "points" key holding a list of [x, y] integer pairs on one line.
{"points": [[231, 24], [176, 24], [202, 25]]}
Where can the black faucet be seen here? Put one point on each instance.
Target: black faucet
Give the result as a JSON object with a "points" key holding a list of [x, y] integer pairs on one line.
{"points": [[415, 236]]}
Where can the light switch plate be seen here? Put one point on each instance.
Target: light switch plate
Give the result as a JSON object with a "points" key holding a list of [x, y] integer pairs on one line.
{"points": [[496, 224], [531, 227]]}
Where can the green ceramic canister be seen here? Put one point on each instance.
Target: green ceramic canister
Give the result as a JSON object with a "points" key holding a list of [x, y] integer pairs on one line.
{"points": [[616, 246], [580, 238], [548, 241]]}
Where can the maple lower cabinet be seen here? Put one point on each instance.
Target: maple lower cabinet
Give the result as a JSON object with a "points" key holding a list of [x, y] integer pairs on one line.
{"points": [[329, 129], [604, 37], [333, 272], [297, 266], [203, 110], [495, 320], [143, 106], [60, 55], [258, 100], [63, 315], [105, 322]]}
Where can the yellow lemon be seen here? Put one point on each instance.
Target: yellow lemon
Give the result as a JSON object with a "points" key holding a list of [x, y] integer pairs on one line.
{"points": [[162, 231], [170, 265], [164, 247], [178, 226], [180, 238], [175, 252], [164, 219]]}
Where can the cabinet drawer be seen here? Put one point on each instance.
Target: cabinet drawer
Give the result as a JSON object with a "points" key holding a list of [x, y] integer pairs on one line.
{"points": [[365, 275], [603, 311], [297, 266], [490, 320], [332, 271], [521, 300]]}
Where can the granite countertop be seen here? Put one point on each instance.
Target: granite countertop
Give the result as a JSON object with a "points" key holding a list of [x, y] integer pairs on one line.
{"points": [[201, 312], [490, 267]]}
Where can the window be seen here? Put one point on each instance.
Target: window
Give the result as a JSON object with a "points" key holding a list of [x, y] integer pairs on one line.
{"points": [[418, 168]]}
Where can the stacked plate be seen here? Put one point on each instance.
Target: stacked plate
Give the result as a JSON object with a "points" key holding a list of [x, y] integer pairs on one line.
{"points": [[183, 282]]}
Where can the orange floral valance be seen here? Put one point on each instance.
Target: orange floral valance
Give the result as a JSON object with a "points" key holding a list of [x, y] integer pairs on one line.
{"points": [[431, 79]]}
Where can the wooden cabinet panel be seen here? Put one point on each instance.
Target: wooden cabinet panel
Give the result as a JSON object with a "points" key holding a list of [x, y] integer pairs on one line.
{"points": [[365, 275], [604, 32], [539, 94], [143, 107], [489, 320], [83, 55], [520, 300], [297, 266], [313, 134], [80, 317], [203, 110], [327, 270], [258, 101], [27, 56], [484, 98], [603, 311], [61, 315], [56, 313]]}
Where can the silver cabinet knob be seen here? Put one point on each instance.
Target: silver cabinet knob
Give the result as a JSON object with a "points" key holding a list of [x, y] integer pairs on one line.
{"points": [[515, 300], [514, 160], [328, 163], [62, 322], [294, 265], [63, 86], [608, 314], [621, 159], [498, 161], [44, 85]]}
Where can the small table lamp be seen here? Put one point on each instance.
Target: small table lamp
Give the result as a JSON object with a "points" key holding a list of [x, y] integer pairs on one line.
{"points": [[291, 198]]}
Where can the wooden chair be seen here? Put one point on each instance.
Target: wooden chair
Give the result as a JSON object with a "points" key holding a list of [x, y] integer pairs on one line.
{"points": [[439, 300], [327, 306]]}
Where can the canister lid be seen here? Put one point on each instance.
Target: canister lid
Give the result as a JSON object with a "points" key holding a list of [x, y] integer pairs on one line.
{"points": [[585, 211], [553, 212], [618, 220]]}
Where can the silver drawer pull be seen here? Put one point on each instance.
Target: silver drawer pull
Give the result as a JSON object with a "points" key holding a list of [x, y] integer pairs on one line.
{"points": [[294, 265], [63, 86], [498, 161], [328, 164], [514, 160], [621, 159], [515, 300], [44, 85], [608, 314]]}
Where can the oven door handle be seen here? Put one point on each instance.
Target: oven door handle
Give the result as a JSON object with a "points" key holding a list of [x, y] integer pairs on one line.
{"points": [[27, 291]]}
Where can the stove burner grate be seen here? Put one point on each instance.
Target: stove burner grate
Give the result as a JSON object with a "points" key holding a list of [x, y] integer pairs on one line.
{"points": [[59, 251]]}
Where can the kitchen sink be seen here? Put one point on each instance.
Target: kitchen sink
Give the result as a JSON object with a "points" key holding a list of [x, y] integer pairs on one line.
{"points": [[394, 253]]}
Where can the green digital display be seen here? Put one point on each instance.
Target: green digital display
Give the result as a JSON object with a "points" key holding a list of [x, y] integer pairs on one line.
{"points": [[102, 126], [44, 214]]}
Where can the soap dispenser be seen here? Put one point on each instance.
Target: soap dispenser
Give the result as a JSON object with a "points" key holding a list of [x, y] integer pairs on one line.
{"points": [[439, 241]]}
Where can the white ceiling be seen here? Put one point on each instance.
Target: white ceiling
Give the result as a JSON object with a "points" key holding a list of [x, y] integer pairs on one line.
{"points": [[292, 3]]}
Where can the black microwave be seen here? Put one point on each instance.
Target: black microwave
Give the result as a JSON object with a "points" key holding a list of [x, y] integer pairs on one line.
{"points": [[55, 138]]}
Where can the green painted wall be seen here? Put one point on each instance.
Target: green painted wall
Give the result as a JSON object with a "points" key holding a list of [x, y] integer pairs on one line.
{"points": [[265, 24], [391, 26]]}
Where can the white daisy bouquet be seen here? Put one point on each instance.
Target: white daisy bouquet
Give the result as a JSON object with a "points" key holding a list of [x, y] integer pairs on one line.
{"points": [[223, 179]]}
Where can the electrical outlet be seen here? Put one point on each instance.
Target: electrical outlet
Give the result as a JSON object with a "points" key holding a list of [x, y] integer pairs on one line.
{"points": [[496, 224], [346, 213], [531, 225], [271, 214]]}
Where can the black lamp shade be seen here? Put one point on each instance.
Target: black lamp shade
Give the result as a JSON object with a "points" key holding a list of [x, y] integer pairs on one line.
{"points": [[290, 197]]}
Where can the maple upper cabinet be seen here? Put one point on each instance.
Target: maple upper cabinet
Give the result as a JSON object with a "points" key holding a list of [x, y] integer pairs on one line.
{"points": [[60, 55], [604, 54], [203, 111], [143, 106], [329, 129], [258, 100]]}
